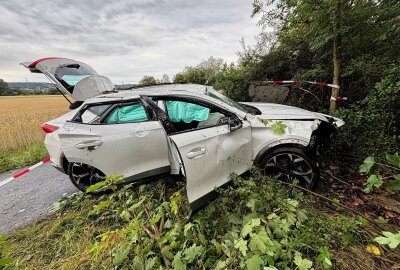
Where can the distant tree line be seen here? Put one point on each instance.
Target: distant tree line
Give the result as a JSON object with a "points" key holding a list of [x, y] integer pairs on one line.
{"points": [[353, 44], [5, 90]]}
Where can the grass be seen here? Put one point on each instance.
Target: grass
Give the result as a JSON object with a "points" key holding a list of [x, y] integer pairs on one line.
{"points": [[21, 138], [22, 116], [146, 228], [18, 158]]}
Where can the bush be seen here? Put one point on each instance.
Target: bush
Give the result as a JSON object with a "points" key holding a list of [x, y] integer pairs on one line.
{"points": [[254, 223], [376, 120]]}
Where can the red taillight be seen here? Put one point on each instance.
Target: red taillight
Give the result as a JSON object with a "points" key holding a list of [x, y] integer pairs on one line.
{"points": [[48, 128]]}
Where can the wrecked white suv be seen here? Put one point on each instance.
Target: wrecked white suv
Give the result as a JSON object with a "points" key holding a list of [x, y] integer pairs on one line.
{"points": [[175, 129]]}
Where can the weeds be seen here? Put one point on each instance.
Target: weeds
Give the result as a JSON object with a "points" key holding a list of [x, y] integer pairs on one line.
{"points": [[21, 138], [254, 223], [12, 159]]}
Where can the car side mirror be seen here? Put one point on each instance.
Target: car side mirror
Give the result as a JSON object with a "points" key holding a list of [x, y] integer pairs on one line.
{"points": [[234, 123]]}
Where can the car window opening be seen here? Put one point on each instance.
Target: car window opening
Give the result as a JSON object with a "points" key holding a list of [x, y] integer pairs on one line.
{"points": [[186, 116]]}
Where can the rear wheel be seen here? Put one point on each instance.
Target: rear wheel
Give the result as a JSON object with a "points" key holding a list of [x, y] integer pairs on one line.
{"points": [[288, 163], [83, 176]]}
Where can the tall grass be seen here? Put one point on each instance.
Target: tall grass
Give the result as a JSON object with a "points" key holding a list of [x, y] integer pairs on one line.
{"points": [[21, 138]]}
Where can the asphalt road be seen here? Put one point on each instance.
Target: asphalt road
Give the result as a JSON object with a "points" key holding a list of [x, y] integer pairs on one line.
{"points": [[30, 196]]}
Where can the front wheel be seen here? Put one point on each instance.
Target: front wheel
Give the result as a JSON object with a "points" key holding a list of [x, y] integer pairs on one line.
{"points": [[83, 176], [289, 163]]}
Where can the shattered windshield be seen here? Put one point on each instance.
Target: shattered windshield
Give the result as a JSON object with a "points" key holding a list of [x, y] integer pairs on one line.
{"points": [[214, 94]]}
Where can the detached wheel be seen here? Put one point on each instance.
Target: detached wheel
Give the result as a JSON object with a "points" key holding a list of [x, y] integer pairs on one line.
{"points": [[287, 164], [83, 176]]}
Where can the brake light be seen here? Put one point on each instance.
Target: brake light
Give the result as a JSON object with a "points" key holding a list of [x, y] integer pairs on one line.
{"points": [[48, 128]]}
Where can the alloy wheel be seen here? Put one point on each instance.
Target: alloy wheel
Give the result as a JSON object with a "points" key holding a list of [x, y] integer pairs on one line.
{"points": [[289, 166], [84, 175]]}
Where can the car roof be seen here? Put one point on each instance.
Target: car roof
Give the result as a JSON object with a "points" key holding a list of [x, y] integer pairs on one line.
{"points": [[154, 90]]}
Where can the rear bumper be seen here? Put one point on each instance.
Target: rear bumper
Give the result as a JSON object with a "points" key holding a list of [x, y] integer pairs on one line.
{"points": [[60, 169], [53, 146]]}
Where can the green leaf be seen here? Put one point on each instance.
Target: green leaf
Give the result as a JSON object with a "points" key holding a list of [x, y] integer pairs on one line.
{"points": [[192, 252], [254, 262], [251, 204], [279, 128], [95, 187], [389, 238], [125, 215], [324, 257], [366, 166], [257, 243], [248, 227], [120, 253], [241, 245], [166, 252], [373, 181], [264, 121], [302, 264], [177, 262], [101, 205], [394, 184], [136, 205], [187, 228], [393, 159]]}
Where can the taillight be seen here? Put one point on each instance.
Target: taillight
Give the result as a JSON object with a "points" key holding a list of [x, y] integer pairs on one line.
{"points": [[48, 128]]}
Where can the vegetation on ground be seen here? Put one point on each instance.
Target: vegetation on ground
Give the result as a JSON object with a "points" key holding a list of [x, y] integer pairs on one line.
{"points": [[257, 222], [18, 158], [22, 116]]}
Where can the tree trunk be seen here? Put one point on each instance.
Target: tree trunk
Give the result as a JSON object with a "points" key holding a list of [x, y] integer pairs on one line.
{"points": [[337, 70], [337, 59]]}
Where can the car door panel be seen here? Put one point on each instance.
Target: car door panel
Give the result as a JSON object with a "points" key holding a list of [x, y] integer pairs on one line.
{"points": [[120, 149], [210, 155]]}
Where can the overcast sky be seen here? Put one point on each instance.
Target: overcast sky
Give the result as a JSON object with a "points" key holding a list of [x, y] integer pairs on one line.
{"points": [[122, 40]]}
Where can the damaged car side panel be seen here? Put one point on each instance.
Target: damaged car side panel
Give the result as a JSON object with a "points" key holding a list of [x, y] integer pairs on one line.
{"points": [[126, 149], [296, 132], [209, 157]]}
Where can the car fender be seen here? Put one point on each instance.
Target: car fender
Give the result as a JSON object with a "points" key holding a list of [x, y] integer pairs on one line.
{"points": [[303, 142]]}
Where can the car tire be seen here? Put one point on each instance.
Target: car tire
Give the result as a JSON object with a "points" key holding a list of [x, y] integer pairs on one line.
{"points": [[83, 176], [289, 163]]}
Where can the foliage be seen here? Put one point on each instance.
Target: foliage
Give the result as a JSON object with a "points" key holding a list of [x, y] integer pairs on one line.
{"points": [[110, 183], [4, 260], [4, 89], [255, 223], [12, 159], [391, 170], [390, 239], [204, 73], [377, 116], [147, 80], [279, 128]]}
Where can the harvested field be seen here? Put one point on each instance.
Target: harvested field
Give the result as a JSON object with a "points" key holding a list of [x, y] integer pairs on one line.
{"points": [[21, 117]]}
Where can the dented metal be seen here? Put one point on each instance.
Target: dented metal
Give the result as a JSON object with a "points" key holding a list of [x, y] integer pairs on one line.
{"points": [[206, 156]]}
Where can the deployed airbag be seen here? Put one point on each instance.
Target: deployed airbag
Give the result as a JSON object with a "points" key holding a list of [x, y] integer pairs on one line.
{"points": [[130, 113], [186, 112]]}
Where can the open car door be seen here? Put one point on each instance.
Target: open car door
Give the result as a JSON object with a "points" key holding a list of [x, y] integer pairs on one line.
{"points": [[71, 77], [209, 155]]}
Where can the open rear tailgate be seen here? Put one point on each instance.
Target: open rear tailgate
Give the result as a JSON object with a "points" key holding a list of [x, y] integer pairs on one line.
{"points": [[71, 77]]}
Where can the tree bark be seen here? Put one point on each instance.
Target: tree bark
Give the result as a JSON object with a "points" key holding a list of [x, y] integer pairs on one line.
{"points": [[337, 59]]}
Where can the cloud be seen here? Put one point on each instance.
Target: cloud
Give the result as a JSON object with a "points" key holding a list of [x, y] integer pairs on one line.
{"points": [[123, 40]]}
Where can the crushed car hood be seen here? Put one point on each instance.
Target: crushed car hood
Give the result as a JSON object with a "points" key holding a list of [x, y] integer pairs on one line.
{"points": [[273, 111]]}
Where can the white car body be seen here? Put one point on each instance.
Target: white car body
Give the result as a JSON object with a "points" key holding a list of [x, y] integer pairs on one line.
{"points": [[206, 155]]}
